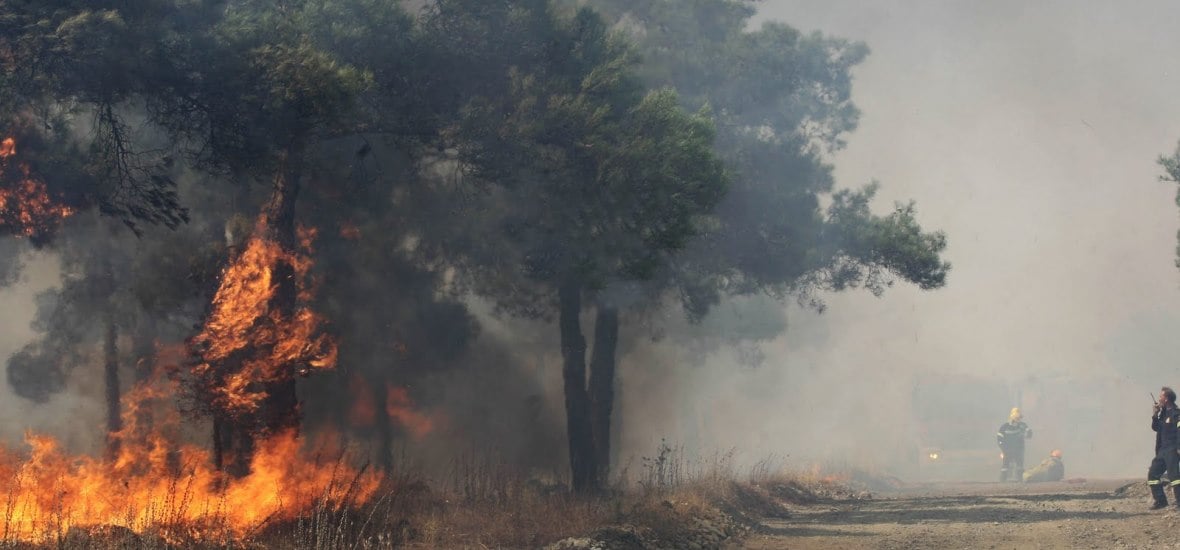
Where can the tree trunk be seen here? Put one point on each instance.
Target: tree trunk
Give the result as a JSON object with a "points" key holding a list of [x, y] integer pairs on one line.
{"points": [[577, 402], [280, 410], [382, 426], [233, 446], [218, 445], [602, 386], [143, 348], [111, 371]]}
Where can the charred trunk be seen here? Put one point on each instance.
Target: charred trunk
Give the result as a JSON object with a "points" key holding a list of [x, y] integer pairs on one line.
{"points": [[234, 436], [280, 410], [111, 376], [218, 444], [233, 446], [602, 386], [143, 348], [383, 427], [110, 355], [577, 401]]}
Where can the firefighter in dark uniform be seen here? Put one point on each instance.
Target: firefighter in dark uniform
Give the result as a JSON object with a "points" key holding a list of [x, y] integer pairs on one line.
{"points": [[1164, 419], [1011, 436]]}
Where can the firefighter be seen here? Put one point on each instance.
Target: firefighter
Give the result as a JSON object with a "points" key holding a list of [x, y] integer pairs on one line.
{"points": [[1050, 469], [1164, 419], [1010, 437]]}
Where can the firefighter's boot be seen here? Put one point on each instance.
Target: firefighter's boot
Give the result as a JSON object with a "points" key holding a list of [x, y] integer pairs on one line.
{"points": [[1157, 492]]}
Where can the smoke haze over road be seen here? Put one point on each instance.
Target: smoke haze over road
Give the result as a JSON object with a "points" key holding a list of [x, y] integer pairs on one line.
{"points": [[1029, 132]]}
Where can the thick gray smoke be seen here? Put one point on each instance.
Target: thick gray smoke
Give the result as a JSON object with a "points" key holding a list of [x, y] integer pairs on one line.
{"points": [[1029, 133]]}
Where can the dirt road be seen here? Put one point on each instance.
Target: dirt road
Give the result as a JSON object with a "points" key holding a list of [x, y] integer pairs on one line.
{"points": [[1092, 514]]}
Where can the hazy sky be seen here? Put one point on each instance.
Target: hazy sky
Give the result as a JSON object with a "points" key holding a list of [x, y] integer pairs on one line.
{"points": [[1029, 133]]}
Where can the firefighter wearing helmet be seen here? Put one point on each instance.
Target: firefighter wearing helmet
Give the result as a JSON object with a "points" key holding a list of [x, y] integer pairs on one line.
{"points": [[1165, 422], [1050, 469], [1010, 437]]}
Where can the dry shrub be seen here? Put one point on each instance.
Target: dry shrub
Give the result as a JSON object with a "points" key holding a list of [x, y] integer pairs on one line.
{"points": [[528, 522], [846, 480]]}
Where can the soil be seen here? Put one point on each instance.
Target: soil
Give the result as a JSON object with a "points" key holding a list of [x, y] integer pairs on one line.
{"points": [[1071, 514]]}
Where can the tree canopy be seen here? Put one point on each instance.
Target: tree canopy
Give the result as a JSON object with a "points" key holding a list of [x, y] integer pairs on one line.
{"points": [[611, 157]]}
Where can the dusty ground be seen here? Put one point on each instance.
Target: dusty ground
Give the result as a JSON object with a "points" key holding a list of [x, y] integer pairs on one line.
{"points": [[1091, 514]]}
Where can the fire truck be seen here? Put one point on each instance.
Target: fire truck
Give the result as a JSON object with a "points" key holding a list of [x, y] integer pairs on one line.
{"points": [[955, 419]]}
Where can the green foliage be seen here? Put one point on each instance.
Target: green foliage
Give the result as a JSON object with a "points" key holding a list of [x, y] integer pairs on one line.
{"points": [[74, 70], [589, 178], [782, 100], [522, 147], [263, 78], [867, 244], [1171, 165]]}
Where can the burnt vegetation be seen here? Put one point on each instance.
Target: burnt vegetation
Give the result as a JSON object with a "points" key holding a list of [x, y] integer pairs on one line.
{"points": [[281, 225]]}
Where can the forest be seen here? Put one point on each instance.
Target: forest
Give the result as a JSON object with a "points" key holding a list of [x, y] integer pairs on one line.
{"points": [[282, 229]]}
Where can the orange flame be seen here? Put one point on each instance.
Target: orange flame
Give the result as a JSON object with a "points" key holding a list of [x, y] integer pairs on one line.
{"points": [[834, 479], [363, 413], [157, 484], [349, 231], [399, 407], [266, 344], [26, 206]]}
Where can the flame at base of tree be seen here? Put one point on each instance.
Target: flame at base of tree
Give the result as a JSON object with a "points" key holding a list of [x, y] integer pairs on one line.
{"points": [[248, 342], [25, 206], [156, 484]]}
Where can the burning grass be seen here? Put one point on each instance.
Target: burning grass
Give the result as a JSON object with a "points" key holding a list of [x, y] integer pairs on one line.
{"points": [[475, 502], [158, 486]]}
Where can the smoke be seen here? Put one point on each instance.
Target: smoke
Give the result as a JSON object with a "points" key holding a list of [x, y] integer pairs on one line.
{"points": [[1027, 132], [65, 410]]}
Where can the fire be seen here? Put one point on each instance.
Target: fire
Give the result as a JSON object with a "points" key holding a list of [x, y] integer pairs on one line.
{"points": [[399, 407], [834, 479], [25, 207], [824, 475], [363, 412], [349, 231], [157, 484], [252, 342]]}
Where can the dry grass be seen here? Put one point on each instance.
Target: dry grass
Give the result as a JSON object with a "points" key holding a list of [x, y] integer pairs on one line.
{"points": [[485, 503]]}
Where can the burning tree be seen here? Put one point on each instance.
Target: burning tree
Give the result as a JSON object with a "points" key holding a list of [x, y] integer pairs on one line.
{"points": [[251, 347], [277, 88], [26, 207], [71, 77]]}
